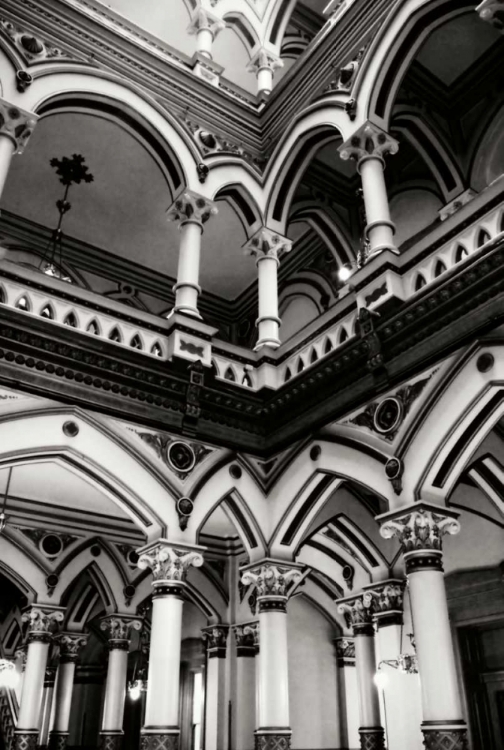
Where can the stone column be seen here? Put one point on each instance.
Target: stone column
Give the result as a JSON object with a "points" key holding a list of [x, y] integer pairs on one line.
{"points": [[16, 127], [263, 64], [42, 623], [192, 211], [348, 693], [47, 705], [205, 26], [274, 581], [420, 528], [367, 147], [245, 706], [169, 564], [401, 692], [118, 628], [359, 611], [215, 706], [70, 644], [268, 247]]}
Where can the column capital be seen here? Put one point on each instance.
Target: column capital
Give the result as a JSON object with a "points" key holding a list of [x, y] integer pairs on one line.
{"points": [[420, 529], [16, 124], [169, 562], [203, 19], [43, 621], [119, 629], [216, 640], [246, 637], [345, 651], [267, 244], [386, 600], [70, 644], [358, 610], [369, 141], [264, 59], [274, 580], [191, 207], [493, 12]]}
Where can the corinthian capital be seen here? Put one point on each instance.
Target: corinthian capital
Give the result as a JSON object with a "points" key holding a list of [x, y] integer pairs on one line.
{"points": [[202, 19], [385, 596], [267, 244], [42, 621], [191, 207], [420, 527], [493, 12], [368, 141], [118, 628], [169, 563], [358, 611], [272, 579], [70, 644], [16, 124], [262, 59], [216, 640]]}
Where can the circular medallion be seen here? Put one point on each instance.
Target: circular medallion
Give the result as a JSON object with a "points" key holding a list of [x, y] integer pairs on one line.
{"points": [[71, 429], [235, 471], [185, 506], [485, 362], [132, 558], [393, 468], [52, 580], [180, 456], [388, 415], [51, 545]]}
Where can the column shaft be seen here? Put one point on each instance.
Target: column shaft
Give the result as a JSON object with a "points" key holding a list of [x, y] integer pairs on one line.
{"points": [[115, 690], [274, 676], [265, 80], [187, 288], [216, 707], [204, 42], [365, 662], [379, 227], [268, 322], [33, 685]]}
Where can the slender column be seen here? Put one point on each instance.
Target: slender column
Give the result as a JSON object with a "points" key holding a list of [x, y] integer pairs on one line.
{"points": [[16, 127], [42, 622], [245, 713], [47, 705], [420, 529], [268, 247], [347, 692], [192, 211], [169, 564], [359, 610], [367, 147], [274, 581], [215, 708], [70, 644], [205, 26], [263, 64], [119, 629], [401, 692]]}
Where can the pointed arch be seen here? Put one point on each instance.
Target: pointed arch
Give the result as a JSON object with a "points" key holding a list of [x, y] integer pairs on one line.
{"points": [[244, 204]]}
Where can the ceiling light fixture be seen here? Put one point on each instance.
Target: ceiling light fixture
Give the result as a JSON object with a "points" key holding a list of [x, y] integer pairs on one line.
{"points": [[71, 171]]}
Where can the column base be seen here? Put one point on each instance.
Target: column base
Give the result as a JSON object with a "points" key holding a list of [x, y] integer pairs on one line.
{"points": [[185, 310], [161, 740], [110, 741], [273, 343], [57, 741], [276, 738], [26, 740], [372, 738], [445, 735]]}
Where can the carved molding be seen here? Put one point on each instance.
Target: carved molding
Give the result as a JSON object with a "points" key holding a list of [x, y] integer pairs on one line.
{"points": [[32, 47]]}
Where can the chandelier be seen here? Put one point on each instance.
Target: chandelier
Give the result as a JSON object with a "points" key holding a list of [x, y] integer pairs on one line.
{"points": [[405, 663], [71, 171]]}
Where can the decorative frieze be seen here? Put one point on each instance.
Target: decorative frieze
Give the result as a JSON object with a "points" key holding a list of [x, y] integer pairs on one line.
{"points": [[266, 243], [368, 141], [70, 644], [113, 741], [24, 740], [118, 628], [169, 563], [191, 207], [16, 124]]}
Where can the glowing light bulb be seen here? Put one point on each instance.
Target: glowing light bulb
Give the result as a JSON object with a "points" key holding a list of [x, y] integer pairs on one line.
{"points": [[344, 273], [135, 692], [381, 679]]}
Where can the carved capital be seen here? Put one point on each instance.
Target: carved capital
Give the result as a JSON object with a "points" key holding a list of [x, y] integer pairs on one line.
{"points": [[420, 527], [70, 644], [16, 124], [345, 651], [368, 141], [272, 578], [191, 207], [118, 628], [386, 596], [216, 640], [493, 12], [42, 621], [245, 638], [267, 244], [262, 59], [358, 611], [169, 563], [202, 19]]}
